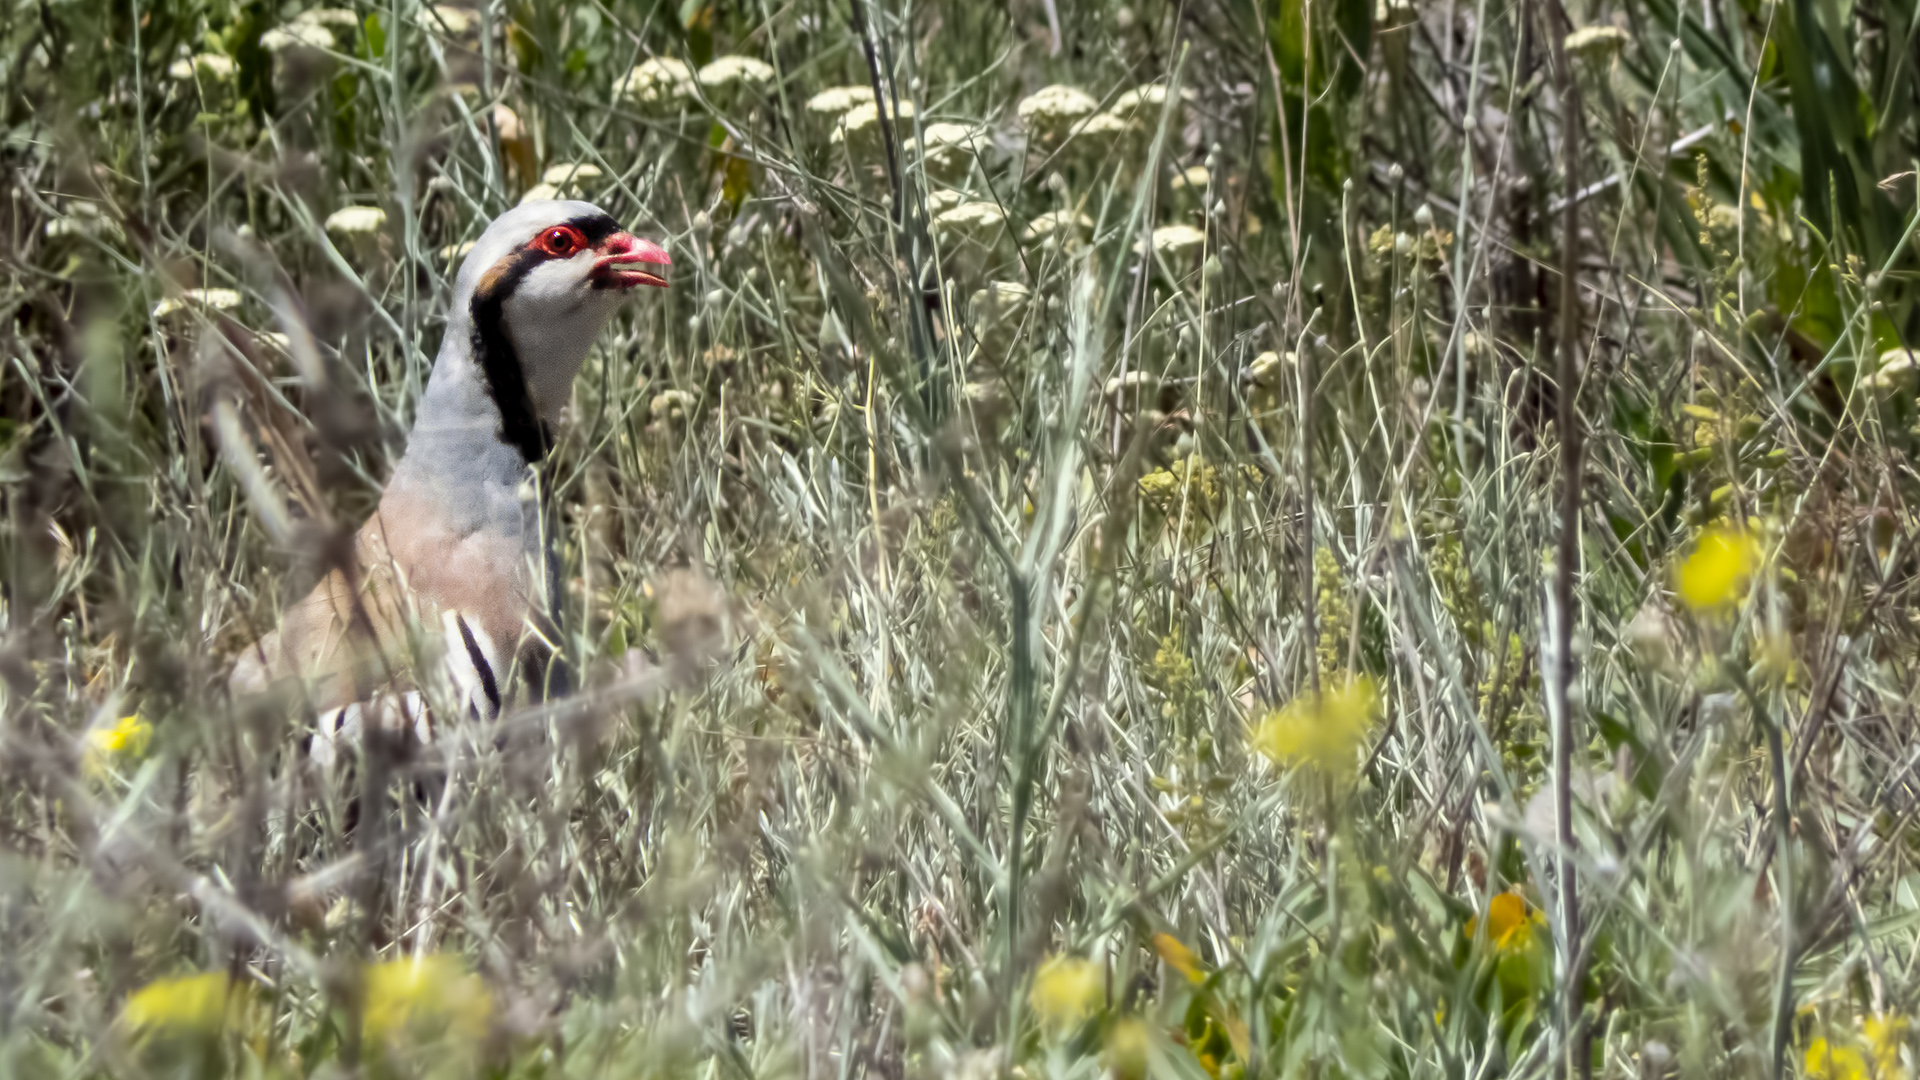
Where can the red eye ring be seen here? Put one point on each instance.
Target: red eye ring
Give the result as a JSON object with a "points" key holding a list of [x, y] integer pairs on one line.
{"points": [[560, 241]]}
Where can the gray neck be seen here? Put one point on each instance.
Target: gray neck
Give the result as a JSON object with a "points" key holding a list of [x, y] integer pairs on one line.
{"points": [[455, 442]]}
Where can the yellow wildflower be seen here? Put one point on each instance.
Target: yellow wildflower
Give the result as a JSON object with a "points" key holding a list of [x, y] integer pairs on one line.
{"points": [[1129, 1042], [1873, 1055], [1065, 991], [1324, 732], [184, 1005], [1179, 957], [1886, 1033], [425, 996], [1826, 1061], [127, 738], [1332, 613], [1509, 924], [1773, 655], [1718, 572]]}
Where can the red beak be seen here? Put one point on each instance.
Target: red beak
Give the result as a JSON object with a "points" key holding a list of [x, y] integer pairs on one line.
{"points": [[622, 255]]}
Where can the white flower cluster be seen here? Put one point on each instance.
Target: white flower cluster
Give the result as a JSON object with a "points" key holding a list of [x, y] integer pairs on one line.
{"points": [[1056, 107], [563, 177], [217, 299], [731, 71], [307, 35], [664, 79], [947, 148], [456, 21], [1059, 113], [210, 66], [656, 81], [836, 101], [1176, 242], [319, 28], [862, 122], [356, 221], [976, 218], [1058, 227], [1596, 40]]}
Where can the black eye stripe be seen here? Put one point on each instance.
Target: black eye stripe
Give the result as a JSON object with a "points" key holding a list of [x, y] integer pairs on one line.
{"points": [[593, 228]]}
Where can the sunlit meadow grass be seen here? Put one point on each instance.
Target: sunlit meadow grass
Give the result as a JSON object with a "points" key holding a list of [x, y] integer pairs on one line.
{"points": [[1070, 581]]}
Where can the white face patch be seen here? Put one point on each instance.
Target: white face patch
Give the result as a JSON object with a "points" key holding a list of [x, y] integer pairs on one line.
{"points": [[554, 317]]}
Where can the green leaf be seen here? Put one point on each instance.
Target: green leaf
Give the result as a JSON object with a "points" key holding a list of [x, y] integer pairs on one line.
{"points": [[376, 37]]}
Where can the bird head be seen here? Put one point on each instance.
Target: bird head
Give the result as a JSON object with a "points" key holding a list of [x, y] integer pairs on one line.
{"points": [[538, 287]]}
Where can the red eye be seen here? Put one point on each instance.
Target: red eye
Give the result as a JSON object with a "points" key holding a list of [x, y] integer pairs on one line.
{"points": [[561, 240]]}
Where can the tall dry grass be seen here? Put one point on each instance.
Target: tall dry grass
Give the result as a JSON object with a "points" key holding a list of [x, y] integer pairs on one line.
{"points": [[1078, 576]]}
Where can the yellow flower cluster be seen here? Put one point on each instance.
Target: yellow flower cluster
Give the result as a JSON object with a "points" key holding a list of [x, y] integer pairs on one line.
{"points": [[1066, 990], [1172, 674], [1716, 576], [411, 1000], [425, 997], [1875, 1055], [127, 739], [1323, 732], [1194, 484], [195, 1005], [1333, 616], [1192, 476], [1510, 926]]}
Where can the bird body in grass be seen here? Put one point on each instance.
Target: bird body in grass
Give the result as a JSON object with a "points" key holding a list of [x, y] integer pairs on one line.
{"points": [[457, 547]]}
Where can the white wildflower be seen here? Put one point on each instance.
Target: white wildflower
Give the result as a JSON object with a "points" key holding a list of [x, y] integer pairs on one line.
{"points": [[457, 21], [1055, 225], [1132, 380], [1002, 297], [660, 79], [1267, 368], [217, 299], [81, 218], [1896, 371], [204, 65], [538, 192], [308, 35], [941, 199], [728, 71], [455, 252], [1100, 128], [863, 122], [1057, 104], [1193, 178], [1174, 242], [1047, 114], [970, 217], [1148, 99], [670, 404], [839, 99], [995, 313], [937, 136], [948, 147], [336, 20], [579, 174], [1596, 40], [356, 220]]}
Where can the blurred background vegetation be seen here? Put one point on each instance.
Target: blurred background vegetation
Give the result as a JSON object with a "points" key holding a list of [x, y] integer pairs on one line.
{"points": [[1073, 579]]}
